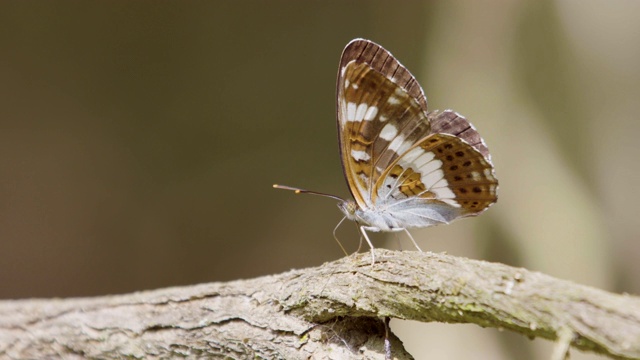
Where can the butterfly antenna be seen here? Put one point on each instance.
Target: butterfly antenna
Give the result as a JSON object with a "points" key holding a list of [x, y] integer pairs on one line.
{"points": [[303, 191]]}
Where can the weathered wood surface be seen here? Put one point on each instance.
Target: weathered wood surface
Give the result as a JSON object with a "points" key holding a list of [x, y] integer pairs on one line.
{"points": [[334, 311]]}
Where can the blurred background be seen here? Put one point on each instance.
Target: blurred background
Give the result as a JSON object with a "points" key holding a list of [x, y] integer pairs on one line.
{"points": [[139, 142]]}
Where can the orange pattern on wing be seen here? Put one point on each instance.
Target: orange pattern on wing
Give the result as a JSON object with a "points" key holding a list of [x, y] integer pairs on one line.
{"points": [[410, 182]]}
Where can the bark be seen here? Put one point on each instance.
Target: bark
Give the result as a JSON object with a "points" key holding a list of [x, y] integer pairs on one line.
{"points": [[334, 311]]}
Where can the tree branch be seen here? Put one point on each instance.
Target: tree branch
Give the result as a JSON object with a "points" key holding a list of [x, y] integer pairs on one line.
{"points": [[334, 310]]}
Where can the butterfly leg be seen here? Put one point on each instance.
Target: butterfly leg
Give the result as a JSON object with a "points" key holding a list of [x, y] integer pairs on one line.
{"points": [[366, 237], [412, 240], [336, 236]]}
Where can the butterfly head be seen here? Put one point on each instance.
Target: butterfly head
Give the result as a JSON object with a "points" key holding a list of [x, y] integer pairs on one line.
{"points": [[349, 208]]}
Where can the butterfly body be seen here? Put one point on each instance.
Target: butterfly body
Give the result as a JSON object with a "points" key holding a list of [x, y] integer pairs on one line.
{"points": [[405, 166], [391, 218]]}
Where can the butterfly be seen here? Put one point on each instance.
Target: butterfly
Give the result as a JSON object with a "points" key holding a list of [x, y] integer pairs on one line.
{"points": [[406, 167]]}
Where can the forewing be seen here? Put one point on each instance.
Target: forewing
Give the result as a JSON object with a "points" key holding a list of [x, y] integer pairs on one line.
{"points": [[381, 114], [381, 60], [440, 174]]}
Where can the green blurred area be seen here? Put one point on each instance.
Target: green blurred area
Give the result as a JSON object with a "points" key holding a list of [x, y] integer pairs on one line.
{"points": [[139, 140]]}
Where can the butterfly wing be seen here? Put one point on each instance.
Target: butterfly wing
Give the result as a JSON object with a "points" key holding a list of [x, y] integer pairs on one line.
{"points": [[450, 122], [405, 167], [441, 178], [382, 112]]}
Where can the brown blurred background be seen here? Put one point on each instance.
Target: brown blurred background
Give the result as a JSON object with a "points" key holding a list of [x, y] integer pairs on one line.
{"points": [[139, 142]]}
